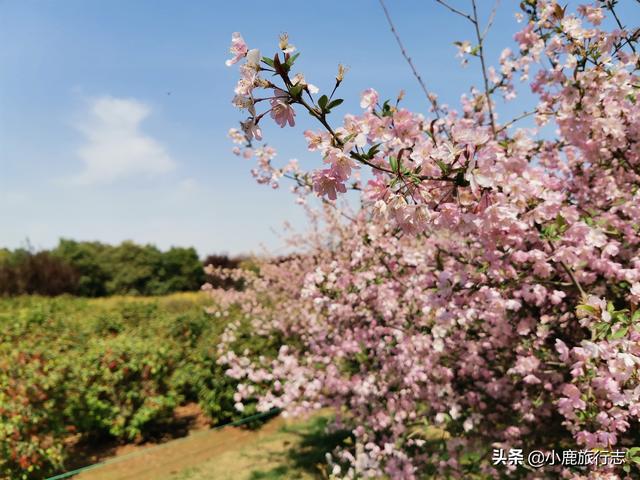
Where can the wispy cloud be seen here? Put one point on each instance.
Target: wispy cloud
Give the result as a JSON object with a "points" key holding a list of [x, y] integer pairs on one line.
{"points": [[115, 145]]}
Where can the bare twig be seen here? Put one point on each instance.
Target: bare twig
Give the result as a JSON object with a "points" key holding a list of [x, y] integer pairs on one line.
{"points": [[574, 280], [455, 10], [564, 266], [485, 76], [615, 15], [492, 17], [516, 119], [409, 61]]}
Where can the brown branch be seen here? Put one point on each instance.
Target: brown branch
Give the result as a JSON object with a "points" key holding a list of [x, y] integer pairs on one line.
{"points": [[615, 15], [455, 10], [516, 119], [568, 271]]}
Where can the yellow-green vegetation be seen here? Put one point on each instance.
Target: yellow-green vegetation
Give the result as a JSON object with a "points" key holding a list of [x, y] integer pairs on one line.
{"points": [[113, 367]]}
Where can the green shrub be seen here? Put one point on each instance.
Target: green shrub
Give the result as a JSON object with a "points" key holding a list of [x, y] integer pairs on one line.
{"points": [[121, 386], [131, 269], [112, 367], [31, 421]]}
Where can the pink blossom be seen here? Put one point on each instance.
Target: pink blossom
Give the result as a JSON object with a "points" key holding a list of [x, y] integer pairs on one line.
{"points": [[368, 99], [477, 250], [281, 110], [562, 350], [238, 49], [572, 400], [251, 130], [328, 182]]}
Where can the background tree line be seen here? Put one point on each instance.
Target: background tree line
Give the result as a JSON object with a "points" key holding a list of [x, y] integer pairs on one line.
{"points": [[95, 269]]}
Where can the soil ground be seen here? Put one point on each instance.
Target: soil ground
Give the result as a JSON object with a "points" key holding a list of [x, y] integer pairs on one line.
{"points": [[280, 449]]}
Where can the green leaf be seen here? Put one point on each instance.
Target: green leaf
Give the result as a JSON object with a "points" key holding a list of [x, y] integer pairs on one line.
{"points": [[587, 308], [633, 451], [335, 103], [296, 90], [561, 223], [291, 60], [268, 61], [618, 334], [386, 109], [443, 166], [550, 232], [322, 102], [373, 150], [601, 330], [393, 161]]}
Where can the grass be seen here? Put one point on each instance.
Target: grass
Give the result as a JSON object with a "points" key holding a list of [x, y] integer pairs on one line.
{"points": [[295, 450], [281, 449]]}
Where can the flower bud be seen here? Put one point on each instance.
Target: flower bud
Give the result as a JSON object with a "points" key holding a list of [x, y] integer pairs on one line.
{"points": [[341, 71]]}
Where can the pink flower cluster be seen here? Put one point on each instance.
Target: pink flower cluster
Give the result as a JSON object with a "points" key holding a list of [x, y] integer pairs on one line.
{"points": [[490, 284]]}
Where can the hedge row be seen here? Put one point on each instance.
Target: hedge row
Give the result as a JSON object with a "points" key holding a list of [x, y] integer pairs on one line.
{"points": [[113, 368]]}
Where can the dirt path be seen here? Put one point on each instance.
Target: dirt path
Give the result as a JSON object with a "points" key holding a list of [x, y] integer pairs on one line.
{"points": [[279, 449]]}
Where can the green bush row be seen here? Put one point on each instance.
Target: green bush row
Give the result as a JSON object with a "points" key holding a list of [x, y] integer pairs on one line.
{"points": [[113, 367]]}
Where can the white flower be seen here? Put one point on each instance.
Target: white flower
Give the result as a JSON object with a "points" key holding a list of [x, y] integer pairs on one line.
{"points": [[253, 58], [299, 79], [455, 411], [467, 425], [285, 46]]}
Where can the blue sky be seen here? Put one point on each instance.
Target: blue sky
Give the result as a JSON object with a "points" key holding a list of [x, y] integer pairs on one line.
{"points": [[114, 114]]}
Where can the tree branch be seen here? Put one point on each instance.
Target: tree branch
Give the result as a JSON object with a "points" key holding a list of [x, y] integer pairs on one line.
{"points": [[456, 11], [485, 77], [409, 61], [492, 17]]}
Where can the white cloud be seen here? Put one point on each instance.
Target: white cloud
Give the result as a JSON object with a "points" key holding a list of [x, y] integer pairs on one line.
{"points": [[116, 147]]}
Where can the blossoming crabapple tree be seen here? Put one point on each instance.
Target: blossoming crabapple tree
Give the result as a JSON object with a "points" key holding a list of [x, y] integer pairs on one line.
{"points": [[486, 294]]}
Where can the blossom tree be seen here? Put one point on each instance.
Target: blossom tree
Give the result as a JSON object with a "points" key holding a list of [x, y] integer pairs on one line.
{"points": [[486, 294]]}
